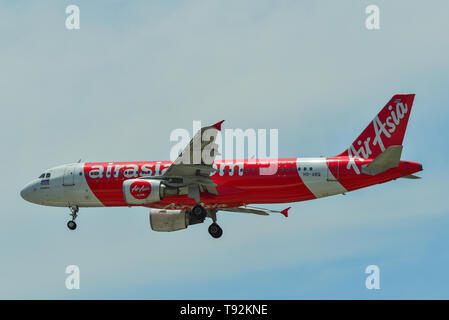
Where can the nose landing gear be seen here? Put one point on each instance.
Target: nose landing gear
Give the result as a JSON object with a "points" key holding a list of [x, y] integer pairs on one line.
{"points": [[72, 224]]}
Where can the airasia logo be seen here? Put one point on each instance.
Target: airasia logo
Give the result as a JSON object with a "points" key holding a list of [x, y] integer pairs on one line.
{"points": [[386, 130], [140, 189]]}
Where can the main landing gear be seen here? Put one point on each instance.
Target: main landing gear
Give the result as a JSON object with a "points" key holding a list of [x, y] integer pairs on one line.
{"points": [[215, 230], [71, 224], [199, 213]]}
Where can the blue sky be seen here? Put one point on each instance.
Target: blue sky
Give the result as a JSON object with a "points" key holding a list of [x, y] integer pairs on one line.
{"points": [[115, 89]]}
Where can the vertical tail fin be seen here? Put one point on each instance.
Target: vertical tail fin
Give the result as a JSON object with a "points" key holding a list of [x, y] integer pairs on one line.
{"points": [[387, 129]]}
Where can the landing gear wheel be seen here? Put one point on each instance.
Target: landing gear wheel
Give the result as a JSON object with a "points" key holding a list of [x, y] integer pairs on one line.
{"points": [[215, 230], [199, 212], [71, 225], [74, 213]]}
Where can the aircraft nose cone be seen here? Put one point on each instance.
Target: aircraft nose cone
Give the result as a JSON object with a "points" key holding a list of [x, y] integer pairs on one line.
{"points": [[27, 193]]}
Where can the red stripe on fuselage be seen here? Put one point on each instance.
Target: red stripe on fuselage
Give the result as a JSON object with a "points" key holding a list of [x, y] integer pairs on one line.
{"points": [[249, 183]]}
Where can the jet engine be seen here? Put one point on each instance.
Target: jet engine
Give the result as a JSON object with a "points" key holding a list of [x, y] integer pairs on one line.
{"points": [[171, 220], [143, 191]]}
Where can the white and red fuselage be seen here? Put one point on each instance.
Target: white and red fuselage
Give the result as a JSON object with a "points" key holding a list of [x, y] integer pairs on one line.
{"points": [[373, 158], [238, 182]]}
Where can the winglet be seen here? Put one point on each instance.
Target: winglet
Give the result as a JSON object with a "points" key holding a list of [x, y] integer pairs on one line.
{"points": [[218, 125], [285, 212]]}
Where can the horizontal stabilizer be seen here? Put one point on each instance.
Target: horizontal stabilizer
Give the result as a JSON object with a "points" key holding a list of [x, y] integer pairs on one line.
{"points": [[386, 160], [411, 176]]}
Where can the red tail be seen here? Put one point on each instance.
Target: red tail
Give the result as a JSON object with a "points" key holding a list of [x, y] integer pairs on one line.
{"points": [[386, 129]]}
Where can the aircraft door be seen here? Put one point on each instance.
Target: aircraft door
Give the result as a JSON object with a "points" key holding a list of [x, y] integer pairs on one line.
{"points": [[69, 176], [333, 175]]}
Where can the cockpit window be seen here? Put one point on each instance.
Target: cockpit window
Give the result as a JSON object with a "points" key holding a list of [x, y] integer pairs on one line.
{"points": [[48, 175], [42, 176]]}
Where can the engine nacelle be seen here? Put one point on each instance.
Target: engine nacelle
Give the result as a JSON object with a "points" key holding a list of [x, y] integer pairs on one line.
{"points": [[171, 220], [168, 220], [143, 191]]}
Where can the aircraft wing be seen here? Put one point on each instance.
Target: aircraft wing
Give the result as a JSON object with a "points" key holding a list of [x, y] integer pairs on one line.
{"points": [[195, 163], [254, 210]]}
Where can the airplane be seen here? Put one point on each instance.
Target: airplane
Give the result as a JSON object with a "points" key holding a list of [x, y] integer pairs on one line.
{"points": [[186, 191]]}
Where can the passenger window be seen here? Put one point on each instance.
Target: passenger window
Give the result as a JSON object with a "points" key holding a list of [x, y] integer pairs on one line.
{"points": [[310, 168], [288, 169], [299, 169], [282, 169], [305, 169]]}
